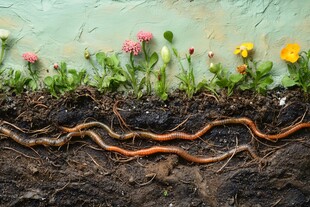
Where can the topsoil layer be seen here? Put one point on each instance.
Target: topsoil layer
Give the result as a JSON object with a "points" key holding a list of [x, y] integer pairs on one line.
{"points": [[81, 174]]}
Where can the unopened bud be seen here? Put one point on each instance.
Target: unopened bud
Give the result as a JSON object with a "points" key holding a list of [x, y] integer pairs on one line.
{"points": [[86, 54], [165, 54], [56, 66], [214, 68], [210, 54], [191, 50]]}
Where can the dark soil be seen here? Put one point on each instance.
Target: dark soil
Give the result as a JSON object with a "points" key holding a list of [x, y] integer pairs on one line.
{"points": [[82, 174]]}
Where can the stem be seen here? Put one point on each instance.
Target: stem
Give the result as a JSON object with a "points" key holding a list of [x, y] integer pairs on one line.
{"points": [[93, 65], [2, 51], [133, 77], [144, 51]]}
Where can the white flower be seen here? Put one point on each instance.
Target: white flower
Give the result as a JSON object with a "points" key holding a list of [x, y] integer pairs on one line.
{"points": [[282, 101], [4, 34]]}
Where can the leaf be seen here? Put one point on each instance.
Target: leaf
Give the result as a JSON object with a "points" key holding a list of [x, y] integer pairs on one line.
{"points": [[17, 75], [153, 59], [264, 68], [168, 35], [33, 85], [235, 78], [246, 86], [100, 58], [288, 82]]}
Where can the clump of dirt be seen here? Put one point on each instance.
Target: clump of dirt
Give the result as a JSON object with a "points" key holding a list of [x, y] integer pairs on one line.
{"points": [[80, 173]]}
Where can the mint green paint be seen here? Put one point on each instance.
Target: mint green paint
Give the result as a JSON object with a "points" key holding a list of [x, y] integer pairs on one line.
{"points": [[60, 30]]}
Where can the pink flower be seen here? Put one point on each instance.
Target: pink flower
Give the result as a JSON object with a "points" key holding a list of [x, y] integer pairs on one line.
{"points": [[191, 50], [30, 57], [131, 47], [144, 36]]}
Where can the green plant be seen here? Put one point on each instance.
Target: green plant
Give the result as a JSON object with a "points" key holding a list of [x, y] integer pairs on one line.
{"points": [[110, 75], [225, 79], [256, 78], [4, 34], [299, 72], [149, 60], [134, 48], [15, 81], [66, 80], [186, 77], [161, 84]]}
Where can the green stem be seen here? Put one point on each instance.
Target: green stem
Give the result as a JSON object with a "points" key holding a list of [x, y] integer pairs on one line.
{"points": [[2, 51], [144, 51]]}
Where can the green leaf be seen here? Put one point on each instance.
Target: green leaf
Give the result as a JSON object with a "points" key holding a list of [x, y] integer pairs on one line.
{"points": [[33, 85], [17, 75], [153, 59], [100, 58], [235, 78], [246, 86], [288, 82], [264, 68], [168, 35]]}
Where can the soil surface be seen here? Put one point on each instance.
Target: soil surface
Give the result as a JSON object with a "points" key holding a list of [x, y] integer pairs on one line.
{"points": [[80, 173]]}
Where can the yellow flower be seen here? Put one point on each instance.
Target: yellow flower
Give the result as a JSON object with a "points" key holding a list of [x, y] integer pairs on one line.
{"points": [[244, 48], [290, 52]]}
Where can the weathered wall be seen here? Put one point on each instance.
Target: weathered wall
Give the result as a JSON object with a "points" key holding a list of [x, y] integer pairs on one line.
{"points": [[60, 30]]}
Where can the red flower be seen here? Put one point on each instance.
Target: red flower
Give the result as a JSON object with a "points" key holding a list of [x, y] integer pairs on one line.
{"points": [[56, 66]]}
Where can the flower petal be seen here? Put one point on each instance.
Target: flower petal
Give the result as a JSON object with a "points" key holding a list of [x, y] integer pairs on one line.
{"points": [[237, 51], [244, 53], [284, 53], [248, 45]]}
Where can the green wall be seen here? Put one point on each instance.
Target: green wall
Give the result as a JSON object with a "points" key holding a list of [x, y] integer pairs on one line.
{"points": [[60, 30]]}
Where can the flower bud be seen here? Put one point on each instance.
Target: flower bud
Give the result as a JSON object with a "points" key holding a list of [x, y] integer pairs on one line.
{"points": [[210, 54], [86, 54], [4, 34], [165, 54], [191, 50], [56, 66], [214, 68]]}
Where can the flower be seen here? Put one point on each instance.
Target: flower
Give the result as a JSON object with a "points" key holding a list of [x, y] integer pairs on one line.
{"points": [[165, 54], [4, 34], [290, 52], [191, 50], [30, 57], [56, 66], [242, 69], [210, 54], [131, 47], [244, 48], [144, 36]]}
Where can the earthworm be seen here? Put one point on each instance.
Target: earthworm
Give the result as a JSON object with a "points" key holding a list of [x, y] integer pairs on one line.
{"points": [[142, 152], [186, 136]]}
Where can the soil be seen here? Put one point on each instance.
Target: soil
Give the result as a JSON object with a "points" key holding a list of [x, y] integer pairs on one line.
{"points": [[81, 174]]}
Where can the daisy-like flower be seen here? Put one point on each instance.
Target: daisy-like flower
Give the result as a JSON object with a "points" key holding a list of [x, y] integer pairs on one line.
{"points": [[144, 36], [4, 34], [130, 46], [30, 57], [290, 52], [242, 69], [243, 49]]}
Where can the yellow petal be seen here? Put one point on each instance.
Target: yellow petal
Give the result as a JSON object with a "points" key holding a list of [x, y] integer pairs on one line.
{"points": [[294, 47], [244, 53], [237, 51], [284, 53], [292, 57], [248, 45]]}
